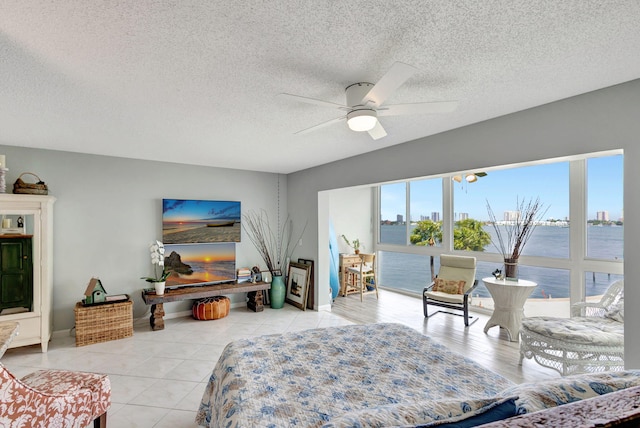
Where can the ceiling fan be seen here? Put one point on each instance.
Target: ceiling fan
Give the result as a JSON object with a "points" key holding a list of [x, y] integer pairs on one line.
{"points": [[365, 103], [470, 177]]}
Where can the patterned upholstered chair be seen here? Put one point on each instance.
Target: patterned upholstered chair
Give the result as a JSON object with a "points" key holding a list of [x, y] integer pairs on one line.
{"points": [[54, 398], [452, 287]]}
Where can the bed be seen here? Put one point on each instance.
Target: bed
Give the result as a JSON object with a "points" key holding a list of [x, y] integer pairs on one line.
{"points": [[307, 378]]}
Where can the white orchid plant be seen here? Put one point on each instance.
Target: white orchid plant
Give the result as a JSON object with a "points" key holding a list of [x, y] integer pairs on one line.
{"points": [[157, 260]]}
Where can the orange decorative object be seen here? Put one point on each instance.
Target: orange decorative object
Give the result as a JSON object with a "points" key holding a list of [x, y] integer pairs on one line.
{"points": [[211, 308]]}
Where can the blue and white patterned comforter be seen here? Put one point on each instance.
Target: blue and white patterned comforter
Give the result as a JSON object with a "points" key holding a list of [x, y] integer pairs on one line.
{"points": [[306, 378]]}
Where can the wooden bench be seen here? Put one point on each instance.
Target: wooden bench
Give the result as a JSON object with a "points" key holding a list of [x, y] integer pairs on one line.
{"points": [[253, 290]]}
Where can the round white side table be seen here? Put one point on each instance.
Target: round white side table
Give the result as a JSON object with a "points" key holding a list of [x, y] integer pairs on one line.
{"points": [[508, 298]]}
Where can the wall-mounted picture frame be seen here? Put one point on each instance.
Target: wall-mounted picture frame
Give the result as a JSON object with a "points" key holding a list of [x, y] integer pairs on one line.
{"points": [[297, 285], [199, 264], [311, 292], [186, 221]]}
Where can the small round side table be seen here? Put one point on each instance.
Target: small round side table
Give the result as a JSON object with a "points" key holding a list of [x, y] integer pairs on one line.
{"points": [[508, 297]]}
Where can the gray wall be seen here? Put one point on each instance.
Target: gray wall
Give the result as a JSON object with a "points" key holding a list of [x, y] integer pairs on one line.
{"points": [[602, 120], [108, 211]]}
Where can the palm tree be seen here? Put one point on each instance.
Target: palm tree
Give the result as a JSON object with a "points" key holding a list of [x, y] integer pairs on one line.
{"points": [[427, 232], [468, 235]]}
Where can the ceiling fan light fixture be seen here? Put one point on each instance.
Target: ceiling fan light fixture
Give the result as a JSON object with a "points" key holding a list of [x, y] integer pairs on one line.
{"points": [[362, 120], [471, 178]]}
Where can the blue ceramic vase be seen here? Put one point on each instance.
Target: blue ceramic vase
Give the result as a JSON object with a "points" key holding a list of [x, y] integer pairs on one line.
{"points": [[276, 293]]}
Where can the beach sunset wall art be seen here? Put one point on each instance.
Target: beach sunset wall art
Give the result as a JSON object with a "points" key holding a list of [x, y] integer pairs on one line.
{"points": [[199, 222], [192, 264]]}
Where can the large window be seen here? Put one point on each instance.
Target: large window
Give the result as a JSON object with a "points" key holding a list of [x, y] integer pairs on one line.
{"points": [[558, 254], [505, 190], [605, 214], [426, 212], [405, 272], [393, 213], [596, 283]]}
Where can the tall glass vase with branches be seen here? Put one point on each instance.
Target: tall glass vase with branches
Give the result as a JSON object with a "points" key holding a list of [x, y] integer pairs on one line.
{"points": [[516, 233]]}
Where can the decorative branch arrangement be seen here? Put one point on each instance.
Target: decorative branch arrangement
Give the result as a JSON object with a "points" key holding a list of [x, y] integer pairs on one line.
{"points": [[511, 243], [275, 247]]}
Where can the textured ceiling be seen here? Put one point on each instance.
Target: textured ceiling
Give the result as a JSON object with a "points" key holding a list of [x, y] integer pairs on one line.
{"points": [[195, 82]]}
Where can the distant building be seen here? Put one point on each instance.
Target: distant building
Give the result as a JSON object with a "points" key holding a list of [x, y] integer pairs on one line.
{"points": [[435, 216], [399, 218], [463, 216], [511, 215], [602, 215], [423, 217]]}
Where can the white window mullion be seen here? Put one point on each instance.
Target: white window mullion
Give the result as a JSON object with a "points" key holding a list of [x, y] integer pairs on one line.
{"points": [[447, 214], [376, 218], [577, 227], [407, 211]]}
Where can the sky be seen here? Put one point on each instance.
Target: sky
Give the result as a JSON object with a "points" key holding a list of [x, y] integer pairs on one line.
{"points": [[503, 189]]}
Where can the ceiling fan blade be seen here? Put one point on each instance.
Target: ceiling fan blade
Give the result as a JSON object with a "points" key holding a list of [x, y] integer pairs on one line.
{"points": [[418, 108], [377, 131], [392, 80], [314, 101], [320, 125]]}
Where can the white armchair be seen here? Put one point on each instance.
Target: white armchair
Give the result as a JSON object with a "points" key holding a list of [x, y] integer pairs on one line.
{"points": [[598, 309]]}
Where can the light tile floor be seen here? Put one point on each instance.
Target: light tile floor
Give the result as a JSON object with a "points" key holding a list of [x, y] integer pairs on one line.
{"points": [[158, 377]]}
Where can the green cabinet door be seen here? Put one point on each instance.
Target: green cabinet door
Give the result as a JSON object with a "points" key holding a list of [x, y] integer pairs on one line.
{"points": [[16, 273]]}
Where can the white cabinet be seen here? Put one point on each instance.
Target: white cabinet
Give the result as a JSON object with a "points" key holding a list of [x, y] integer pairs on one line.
{"points": [[36, 324]]}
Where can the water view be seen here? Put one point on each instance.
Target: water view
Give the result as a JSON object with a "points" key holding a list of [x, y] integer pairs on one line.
{"points": [[411, 272]]}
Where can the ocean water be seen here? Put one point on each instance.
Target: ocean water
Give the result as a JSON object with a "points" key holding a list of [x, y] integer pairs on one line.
{"points": [[204, 272], [411, 272]]}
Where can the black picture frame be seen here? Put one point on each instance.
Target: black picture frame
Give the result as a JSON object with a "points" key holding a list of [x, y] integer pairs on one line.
{"points": [[311, 292], [297, 285]]}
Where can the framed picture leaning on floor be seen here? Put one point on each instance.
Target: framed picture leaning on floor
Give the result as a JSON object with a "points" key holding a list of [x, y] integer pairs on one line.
{"points": [[298, 285], [311, 292]]}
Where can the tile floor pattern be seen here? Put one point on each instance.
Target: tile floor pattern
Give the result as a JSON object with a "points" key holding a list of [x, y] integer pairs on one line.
{"points": [[158, 377]]}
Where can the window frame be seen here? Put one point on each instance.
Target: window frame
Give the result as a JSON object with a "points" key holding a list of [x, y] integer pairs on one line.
{"points": [[578, 264]]}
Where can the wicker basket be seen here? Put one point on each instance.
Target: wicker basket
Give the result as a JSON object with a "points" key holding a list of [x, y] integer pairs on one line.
{"points": [[101, 323], [38, 188]]}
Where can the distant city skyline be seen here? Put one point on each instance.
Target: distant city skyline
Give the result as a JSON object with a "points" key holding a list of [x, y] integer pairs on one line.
{"points": [[503, 189]]}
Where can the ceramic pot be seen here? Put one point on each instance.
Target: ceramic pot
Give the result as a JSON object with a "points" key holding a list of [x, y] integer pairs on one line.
{"points": [[160, 287], [276, 292]]}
